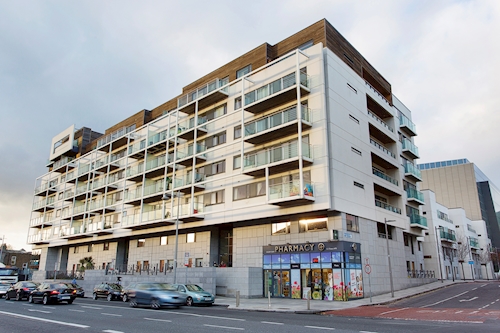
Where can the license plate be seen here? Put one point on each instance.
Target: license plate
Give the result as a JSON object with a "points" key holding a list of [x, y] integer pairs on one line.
{"points": [[65, 297], [208, 298]]}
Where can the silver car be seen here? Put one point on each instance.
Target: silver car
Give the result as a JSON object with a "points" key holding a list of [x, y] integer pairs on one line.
{"points": [[157, 295]]}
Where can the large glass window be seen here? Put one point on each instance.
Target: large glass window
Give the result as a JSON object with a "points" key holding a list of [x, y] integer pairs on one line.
{"points": [[243, 71], [313, 225], [281, 228], [352, 223]]}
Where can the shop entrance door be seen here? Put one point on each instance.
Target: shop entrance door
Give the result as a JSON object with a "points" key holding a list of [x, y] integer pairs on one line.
{"points": [[279, 283]]}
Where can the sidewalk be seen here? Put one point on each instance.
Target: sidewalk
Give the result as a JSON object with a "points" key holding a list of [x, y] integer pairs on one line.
{"points": [[300, 306]]}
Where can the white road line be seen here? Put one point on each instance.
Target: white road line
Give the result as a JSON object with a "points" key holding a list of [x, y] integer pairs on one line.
{"points": [[76, 310], [154, 319], [204, 316], [111, 314], [473, 312], [459, 311], [485, 306], [112, 331], [91, 307], [383, 313], [229, 328], [271, 322], [444, 300], [475, 288], [321, 328], [45, 320], [28, 304], [366, 332], [49, 307], [34, 310]]}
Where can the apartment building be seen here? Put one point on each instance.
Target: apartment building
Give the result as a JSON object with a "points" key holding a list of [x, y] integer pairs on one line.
{"points": [[454, 246], [289, 161]]}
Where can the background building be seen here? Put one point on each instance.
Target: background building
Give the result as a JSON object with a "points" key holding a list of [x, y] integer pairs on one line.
{"points": [[293, 164]]}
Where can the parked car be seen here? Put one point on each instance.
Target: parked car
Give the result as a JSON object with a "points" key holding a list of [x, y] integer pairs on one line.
{"points": [[20, 290], [52, 293], [111, 291], [129, 291], [195, 294], [79, 290], [157, 295], [4, 286]]}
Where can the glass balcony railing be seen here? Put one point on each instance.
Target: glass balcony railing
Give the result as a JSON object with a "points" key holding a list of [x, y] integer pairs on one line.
{"points": [[415, 194], [81, 189], [98, 204], [84, 168], [385, 150], [388, 207], [405, 122], [135, 170], [412, 169], [37, 221], [78, 209], [38, 238], [42, 188], [275, 120], [200, 92], [129, 220], [155, 162], [152, 189], [62, 162], [417, 219], [187, 152], [289, 189], [154, 138], [408, 145], [380, 121], [117, 156], [275, 87], [152, 215], [276, 154], [382, 175], [185, 125], [136, 147], [447, 234], [473, 242], [98, 183], [115, 135], [133, 194]]}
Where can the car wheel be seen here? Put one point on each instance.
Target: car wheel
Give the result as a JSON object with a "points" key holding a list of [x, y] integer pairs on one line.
{"points": [[7, 297], [94, 296], [132, 302], [125, 298], [155, 304], [109, 298], [19, 297], [30, 299], [70, 301], [189, 301], [45, 300]]}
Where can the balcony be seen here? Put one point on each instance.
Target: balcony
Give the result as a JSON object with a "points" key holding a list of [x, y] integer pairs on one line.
{"points": [[149, 219], [410, 149], [100, 205], [60, 166], [276, 93], [206, 95], [279, 159], [118, 135], [133, 197], [388, 207], [42, 189], [378, 94], [40, 222], [415, 195], [99, 227], [78, 211], [407, 125], [154, 166], [185, 156], [134, 173], [382, 148], [188, 214], [153, 192], [277, 125], [413, 172], [447, 235], [185, 130], [137, 150], [183, 183], [288, 194], [474, 242], [38, 239], [154, 139], [417, 221], [382, 175], [380, 121]]}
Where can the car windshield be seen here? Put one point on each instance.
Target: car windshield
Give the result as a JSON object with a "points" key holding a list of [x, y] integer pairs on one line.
{"points": [[4, 286], [58, 286], [115, 286], [194, 287], [30, 284]]}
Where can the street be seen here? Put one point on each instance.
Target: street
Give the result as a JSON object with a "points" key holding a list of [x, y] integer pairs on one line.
{"points": [[87, 315]]}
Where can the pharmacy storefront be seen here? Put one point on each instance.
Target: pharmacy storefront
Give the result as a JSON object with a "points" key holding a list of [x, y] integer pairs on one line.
{"points": [[330, 271]]}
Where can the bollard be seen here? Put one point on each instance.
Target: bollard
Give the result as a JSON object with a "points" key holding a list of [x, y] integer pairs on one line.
{"points": [[309, 300], [268, 297], [237, 298]]}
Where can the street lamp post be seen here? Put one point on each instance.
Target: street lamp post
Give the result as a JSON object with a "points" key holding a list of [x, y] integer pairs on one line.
{"points": [[438, 254], [389, 254], [470, 258], [165, 198], [1, 249]]}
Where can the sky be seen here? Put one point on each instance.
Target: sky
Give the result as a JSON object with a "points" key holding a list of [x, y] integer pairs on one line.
{"points": [[95, 63]]}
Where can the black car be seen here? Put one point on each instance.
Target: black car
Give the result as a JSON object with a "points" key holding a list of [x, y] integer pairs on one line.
{"points": [[20, 290], [79, 290], [53, 293], [111, 291]]}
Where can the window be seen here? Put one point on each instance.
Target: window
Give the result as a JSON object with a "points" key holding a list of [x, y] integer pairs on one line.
{"points": [[75, 249], [213, 198], [359, 185], [313, 225], [224, 81], [60, 196], [212, 114], [215, 140], [236, 162], [406, 239], [237, 132], [249, 191], [141, 242], [352, 223], [105, 246], [280, 228], [354, 150], [190, 238], [213, 169], [163, 241], [162, 265], [90, 247], [237, 103], [353, 119], [243, 71], [306, 45], [381, 230]]}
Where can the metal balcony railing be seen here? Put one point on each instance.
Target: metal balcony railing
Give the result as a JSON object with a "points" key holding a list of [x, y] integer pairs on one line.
{"points": [[382, 175], [388, 207]]}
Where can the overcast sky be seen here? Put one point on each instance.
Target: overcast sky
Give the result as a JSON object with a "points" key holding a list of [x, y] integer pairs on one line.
{"points": [[94, 63]]}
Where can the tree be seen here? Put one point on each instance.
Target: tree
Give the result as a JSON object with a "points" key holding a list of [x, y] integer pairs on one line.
{"points": [[485, 258], [86, 263], [462, 252]]}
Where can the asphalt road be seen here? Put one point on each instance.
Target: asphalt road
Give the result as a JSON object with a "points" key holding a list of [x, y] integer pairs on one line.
{"points": [[87, 315]]}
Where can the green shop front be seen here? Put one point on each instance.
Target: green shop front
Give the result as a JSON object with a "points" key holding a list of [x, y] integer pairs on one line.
{"points": [[329, 271]]}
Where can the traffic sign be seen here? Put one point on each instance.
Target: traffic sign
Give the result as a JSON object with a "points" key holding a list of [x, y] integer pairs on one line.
{"points": [[368, 269]]}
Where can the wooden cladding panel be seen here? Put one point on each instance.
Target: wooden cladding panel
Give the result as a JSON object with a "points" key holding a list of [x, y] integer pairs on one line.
{"points": [[167, 106], [139, 119], [315, 32]]}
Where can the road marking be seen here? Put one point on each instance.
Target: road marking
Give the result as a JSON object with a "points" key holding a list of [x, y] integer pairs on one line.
{"points": [[28, 304], [321, 328], [205, 316], [366, 332], [468, 300], [271, 322], [229, 328], [112, 331], [91, 307], [444, 300], [473, 312], [475, 288], [45, 320], [111, 314], [76, 310], [33, 310], [383, 313], [49, 307], [484, 306], [459, 311], [154, 319]]}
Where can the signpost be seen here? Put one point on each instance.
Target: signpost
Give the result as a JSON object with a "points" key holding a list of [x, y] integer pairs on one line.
{"points": [[368, 270]]}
